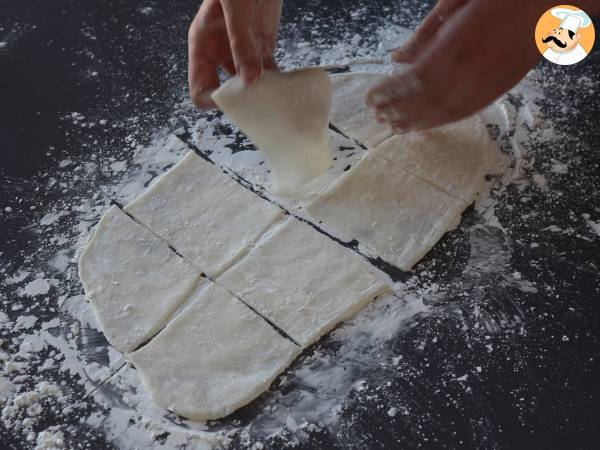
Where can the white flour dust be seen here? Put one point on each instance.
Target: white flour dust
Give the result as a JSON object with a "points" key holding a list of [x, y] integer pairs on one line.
{"points": [[58, 364]]}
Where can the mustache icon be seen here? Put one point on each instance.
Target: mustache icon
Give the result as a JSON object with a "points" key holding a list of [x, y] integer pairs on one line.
{"points": [[555, 40]]}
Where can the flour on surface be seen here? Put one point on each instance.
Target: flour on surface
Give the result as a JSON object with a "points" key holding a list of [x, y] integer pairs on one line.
{"points": [[357, 364]]}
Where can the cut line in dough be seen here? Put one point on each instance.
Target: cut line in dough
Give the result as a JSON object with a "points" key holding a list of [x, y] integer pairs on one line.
{"points": [[286, 116], [204, 214], [453, 158], [302, 281], [217, 353], [132, 279], [349, 112], [391, 213], [214, 358]]}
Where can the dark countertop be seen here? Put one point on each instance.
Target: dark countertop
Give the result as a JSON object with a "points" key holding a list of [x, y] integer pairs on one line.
{"points": [[533, 369]]}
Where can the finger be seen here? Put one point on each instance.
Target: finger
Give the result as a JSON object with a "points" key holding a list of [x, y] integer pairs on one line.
{"points": [[425, 110], [392, 114], [408, 109], [393, 88], [404, 122], [267, 48], [202, 68], [428, 28], [238, 14], [202, 76]]}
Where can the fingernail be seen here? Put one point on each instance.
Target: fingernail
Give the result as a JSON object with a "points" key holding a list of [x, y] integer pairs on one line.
{"points": [[378, 99], [405, 53], [398, 129], [380, 119], [203, 100], [392, 114], [398, 54], [249, 74]]}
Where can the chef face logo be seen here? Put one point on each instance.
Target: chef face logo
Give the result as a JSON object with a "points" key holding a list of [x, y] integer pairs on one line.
{"points": [[561, 40], [565, 35]]}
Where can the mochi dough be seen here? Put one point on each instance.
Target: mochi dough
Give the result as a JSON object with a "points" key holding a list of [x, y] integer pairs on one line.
{"points": [[454, 158], [132, 279], [349, 112], [286, 116], [215, 357], [204, 214], [302, 281], [390, 212]]}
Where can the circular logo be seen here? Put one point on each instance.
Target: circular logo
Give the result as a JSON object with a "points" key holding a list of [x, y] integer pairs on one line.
{"points": [[565, 35]]}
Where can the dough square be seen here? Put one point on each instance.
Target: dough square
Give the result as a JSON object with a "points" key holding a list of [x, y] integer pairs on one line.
{"points": [[285, 114], [453, 158], [391, 213], [204, 214], [213, 358], [133, 280], [302, 281], [349, 112]]}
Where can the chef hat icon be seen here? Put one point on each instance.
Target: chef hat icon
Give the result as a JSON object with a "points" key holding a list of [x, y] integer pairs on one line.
{"points": [[572, 19]]}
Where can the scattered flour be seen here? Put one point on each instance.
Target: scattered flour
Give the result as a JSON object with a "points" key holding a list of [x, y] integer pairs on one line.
{"points": [[50, 440], [594, 226], [39, 286], [310, 396], [51, 218], [25, 322]]}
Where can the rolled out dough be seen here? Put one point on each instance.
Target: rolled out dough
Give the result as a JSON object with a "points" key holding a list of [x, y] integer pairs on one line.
{"points": [[392, 214], [453, 158], [215, 357], [204, 214], [133, 280], [350, 114], [218, 354], [302, 281], [286, 116]]}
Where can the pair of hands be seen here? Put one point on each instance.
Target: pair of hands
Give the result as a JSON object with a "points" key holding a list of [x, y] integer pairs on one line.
{"points": [[464, 55]]}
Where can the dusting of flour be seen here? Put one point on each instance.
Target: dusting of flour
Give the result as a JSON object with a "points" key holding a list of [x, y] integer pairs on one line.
{"points": [[58, 370]]}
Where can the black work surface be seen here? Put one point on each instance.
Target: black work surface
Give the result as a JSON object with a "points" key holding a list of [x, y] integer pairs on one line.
{"points": [[539, 387]]}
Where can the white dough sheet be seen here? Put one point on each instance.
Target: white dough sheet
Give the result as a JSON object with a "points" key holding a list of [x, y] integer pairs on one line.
{"points": [[302, 281], [132, 279], [393, 214], [454, 158], [216, 356], [219, 348], [204, 214], [277, 284], [409, 189], [286, 116]]}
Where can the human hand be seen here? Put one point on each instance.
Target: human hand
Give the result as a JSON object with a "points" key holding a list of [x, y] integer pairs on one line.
{"points": [[465, 54], [238, 35]]}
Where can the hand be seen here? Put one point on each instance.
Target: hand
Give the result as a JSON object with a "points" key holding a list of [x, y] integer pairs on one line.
{"points": [[465, 54], [238, 35]]}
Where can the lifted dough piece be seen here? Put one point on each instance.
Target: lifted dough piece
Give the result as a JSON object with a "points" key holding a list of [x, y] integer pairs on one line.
{"points": [[453, 158], [286, 116], [133, 280], [391, 213], [350, 114], [204, 214], [215, 357], [302, 281]]}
